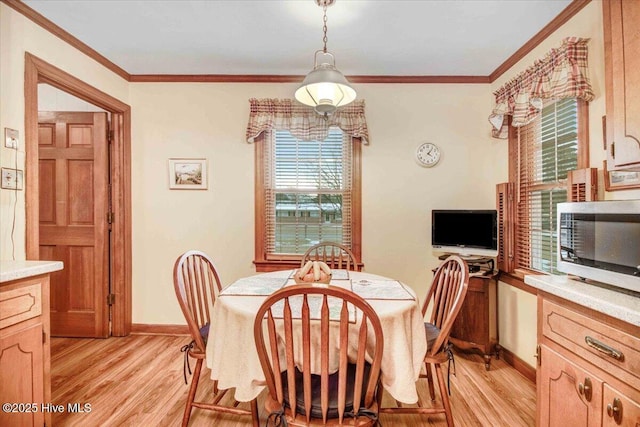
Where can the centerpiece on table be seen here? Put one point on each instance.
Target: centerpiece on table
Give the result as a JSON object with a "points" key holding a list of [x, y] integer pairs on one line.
{"points": [[313, 272]]}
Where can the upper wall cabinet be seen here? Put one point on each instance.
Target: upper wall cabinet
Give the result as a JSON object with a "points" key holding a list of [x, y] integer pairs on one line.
{"points": [[622, 66]]}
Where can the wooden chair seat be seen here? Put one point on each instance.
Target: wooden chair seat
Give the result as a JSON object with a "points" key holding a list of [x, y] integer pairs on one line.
{"points": [[316, 388], [300, 420], [432, 332], [204, 333]]}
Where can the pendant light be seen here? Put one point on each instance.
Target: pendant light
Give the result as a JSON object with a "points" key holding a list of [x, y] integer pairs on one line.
{"points": [[325, 88]]}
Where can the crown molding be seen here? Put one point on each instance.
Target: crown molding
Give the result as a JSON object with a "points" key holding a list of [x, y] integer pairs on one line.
{"points": [[418, 79], [259, 78], [54, 29], [574, 7], [214, 78]]}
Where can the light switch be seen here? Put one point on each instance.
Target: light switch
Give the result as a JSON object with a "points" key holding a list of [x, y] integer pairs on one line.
{"points": [[11, 138], [12, 179]]}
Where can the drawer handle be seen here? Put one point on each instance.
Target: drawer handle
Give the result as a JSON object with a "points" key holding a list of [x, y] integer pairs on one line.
{"points": [[615, 410], [586, 388], [603, 348]]}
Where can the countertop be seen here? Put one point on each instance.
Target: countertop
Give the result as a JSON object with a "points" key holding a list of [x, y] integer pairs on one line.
{"points": [[14, 270], [614, 302]]}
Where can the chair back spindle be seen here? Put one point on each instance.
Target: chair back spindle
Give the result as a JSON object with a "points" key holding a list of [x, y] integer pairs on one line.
{"points": [[335, 255], [197, 285], [448, 290], [302, 336]]}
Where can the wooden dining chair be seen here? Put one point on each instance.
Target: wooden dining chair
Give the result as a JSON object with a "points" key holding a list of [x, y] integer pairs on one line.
{"points": [[197, 284], [444, 300], [303, 334], [335, 255]]}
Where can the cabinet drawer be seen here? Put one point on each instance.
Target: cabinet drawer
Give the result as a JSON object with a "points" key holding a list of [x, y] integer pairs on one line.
{"points": [[593, 340], [19, 304]]}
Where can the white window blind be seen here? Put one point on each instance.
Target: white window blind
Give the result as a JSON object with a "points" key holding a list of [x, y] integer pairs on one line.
{"points": [[547, 151], [308, 191]]}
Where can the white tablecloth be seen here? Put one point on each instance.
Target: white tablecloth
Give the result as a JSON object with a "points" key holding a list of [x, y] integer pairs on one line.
{"points": [[233, 359]]}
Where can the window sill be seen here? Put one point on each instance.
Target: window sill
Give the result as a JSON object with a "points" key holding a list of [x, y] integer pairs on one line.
{"points": [[275, 265], [516, 279]]}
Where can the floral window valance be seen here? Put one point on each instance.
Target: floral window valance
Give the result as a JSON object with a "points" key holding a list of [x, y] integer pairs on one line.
{"points": [[303, 122], [562, 73]]}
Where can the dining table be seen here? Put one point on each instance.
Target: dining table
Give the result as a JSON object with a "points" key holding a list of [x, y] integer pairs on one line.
{"points": [[231, 353]]}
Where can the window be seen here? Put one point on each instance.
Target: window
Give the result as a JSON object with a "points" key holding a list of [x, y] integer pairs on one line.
{"points": [[306, 192], [545, 151]]}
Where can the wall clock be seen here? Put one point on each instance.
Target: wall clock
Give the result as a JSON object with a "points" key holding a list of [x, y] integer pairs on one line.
{"points": [[427, 154]]}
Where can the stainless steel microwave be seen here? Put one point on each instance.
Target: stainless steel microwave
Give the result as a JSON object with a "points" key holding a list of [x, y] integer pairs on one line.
{"points": [[601, 241]]}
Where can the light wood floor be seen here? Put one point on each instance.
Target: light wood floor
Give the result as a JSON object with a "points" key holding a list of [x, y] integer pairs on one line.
{"points": [[137, 381]]}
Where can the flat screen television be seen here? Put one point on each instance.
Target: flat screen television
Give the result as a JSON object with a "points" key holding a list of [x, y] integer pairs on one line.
{"points": [[469, 233]]}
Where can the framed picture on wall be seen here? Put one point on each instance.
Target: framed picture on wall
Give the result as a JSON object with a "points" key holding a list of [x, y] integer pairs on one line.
{"points": [[188, 174], [620, 180]]}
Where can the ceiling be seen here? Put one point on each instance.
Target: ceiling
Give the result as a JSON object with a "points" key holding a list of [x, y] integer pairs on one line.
{"points": [[279, 37]]}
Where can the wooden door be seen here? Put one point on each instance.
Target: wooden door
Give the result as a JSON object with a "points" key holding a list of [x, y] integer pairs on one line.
{"points": [[73, 197]]}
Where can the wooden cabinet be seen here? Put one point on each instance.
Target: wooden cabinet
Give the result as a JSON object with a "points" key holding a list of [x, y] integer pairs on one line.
{"points": [[589, 373], [24, 351], [622, 81], [476, 327]]}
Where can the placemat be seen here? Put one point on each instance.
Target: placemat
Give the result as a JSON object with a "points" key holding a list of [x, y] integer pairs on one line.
{"points": [[381, 289], [255, 285], [339, 274]]}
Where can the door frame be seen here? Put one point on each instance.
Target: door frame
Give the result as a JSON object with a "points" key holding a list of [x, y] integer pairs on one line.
{"points": [[39, 71]]}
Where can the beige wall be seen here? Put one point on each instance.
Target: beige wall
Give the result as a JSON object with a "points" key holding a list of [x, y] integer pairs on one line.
{"points": [[54, 99], [17, 36], [209, 120]]}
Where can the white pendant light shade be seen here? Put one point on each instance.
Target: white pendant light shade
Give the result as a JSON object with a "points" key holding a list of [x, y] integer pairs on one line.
{"points": [[325, 88]]}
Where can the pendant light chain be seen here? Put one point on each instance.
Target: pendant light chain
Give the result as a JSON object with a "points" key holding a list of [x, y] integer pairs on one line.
{"points": [[324, 27]]}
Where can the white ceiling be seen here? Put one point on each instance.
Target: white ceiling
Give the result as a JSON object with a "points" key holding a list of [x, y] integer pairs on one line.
{"points": [[279, 37]]}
